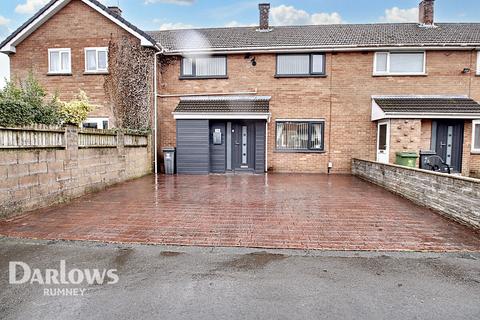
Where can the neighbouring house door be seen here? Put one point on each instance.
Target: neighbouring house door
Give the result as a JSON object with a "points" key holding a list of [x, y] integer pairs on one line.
{"points": [[449, 143], [383, 137], [243, 145]]}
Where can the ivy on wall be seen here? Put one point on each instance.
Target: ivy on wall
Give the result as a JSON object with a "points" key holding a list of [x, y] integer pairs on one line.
{"points": [[129, 84]]}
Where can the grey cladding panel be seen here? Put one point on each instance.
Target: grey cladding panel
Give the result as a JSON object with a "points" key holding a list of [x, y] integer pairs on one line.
{"points": [[217, 151], [193, 146], [260, 139]]}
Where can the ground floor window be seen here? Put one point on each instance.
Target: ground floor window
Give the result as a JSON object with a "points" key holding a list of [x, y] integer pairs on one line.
{"points": [[293, 135], [96, 123], [476, 136]]}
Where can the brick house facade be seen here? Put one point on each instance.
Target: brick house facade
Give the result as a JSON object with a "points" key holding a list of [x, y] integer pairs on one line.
{"points": [[339, 100]]}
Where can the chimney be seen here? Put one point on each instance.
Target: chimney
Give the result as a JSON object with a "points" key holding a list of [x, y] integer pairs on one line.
{"points": [[115, 10], [426, 13], [264, 9]]}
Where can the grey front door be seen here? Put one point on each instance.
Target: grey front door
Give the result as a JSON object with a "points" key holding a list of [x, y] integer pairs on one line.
{"points": [[243, 145], [449, 145]]}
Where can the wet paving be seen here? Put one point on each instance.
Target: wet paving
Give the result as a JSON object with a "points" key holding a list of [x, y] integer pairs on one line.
{"points": [[337, 212]]}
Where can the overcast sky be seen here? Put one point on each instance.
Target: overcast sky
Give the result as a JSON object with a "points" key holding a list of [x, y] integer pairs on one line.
{"points": [[171, 14]]}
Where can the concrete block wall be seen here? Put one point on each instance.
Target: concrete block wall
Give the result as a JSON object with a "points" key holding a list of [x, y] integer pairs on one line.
{"points": [[455, 197], [32, 178]]}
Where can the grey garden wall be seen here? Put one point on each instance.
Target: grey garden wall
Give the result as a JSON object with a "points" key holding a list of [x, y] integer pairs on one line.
{"points": [[43, 166], [453, 196]]}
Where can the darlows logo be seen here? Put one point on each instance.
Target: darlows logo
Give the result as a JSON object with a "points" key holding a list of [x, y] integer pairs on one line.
{"points": [[21, 273]]}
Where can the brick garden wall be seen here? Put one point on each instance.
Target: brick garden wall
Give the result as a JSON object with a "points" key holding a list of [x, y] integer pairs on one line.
{"points": [[36, 177], [453, 196]]}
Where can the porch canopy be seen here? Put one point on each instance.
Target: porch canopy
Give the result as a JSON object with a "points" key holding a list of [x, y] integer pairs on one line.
{"points": [[223, 107], [424, 107]]}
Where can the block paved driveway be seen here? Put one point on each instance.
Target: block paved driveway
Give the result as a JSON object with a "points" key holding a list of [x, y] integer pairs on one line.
{"points": [[337, 212]]}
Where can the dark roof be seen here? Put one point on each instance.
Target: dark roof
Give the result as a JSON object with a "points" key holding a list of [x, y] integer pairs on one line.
{"points": [[362, 35], [427, 104], [214, 104], [95, 2]]}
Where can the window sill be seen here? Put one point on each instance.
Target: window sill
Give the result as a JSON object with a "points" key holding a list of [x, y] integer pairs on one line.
{"points": [[278, 76], [299, 151], [202, 78], [89, 73], [401, 75], [59, 74], [475, 152]]}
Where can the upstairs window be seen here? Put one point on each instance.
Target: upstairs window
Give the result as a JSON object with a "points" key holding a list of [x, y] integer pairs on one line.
{"points": [[478, 63], [300, 65], [299, 135], [96, 60], [59, 61], [204, 67], [399, 63]]}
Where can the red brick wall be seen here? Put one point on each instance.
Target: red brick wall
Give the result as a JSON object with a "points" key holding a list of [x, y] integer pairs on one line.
{"points": [[76, 26], [347, 89]]}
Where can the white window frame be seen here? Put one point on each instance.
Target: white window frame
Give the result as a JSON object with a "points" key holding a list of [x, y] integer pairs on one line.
{"points": [[97, 50], [474, 123], [60, 51], [98, 120], [478, 62], [388, 73]]}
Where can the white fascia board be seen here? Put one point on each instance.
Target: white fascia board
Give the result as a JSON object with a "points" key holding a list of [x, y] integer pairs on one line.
{"points": [[420, 115], [218, 115], [300, 49], [57, 6], [377, 112]]}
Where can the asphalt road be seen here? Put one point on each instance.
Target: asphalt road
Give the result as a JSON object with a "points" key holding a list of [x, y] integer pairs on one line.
{"points": [[159, 282]]}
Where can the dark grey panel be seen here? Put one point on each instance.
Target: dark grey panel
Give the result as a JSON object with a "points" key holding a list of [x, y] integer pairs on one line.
{"points": [[237, 144], [457, 143], [193, 155], [260, 139], [217, 151]]}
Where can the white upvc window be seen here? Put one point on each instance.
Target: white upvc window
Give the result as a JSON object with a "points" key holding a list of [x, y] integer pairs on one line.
{"points": [[96, 123], [476, 136], [59, 61], [478, 62], [96, 60], [399, 63]]}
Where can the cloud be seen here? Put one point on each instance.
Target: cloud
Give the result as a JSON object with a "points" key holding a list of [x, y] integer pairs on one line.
{"points": [[289, 15], [4, 21], [178, 2], [175, 25], [234, 23], [30, 6], [397, 15]]}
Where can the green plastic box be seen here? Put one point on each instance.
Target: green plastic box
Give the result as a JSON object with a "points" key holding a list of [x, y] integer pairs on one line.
{"points": [[407, 159]]}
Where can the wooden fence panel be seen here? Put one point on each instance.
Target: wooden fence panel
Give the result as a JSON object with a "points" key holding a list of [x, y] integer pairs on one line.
{"points": [[37, 136], [96, 138]]}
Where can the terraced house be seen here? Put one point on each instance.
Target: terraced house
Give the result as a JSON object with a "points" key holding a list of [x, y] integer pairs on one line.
{"points": [[277, 98]]}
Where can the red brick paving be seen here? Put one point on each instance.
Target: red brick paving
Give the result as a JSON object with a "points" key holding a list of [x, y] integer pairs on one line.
{"points": [[273, 211]]}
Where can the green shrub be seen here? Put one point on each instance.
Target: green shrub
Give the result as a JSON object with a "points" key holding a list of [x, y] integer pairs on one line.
{"points": [[26, 104], [76, 111], [15, 113]]}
